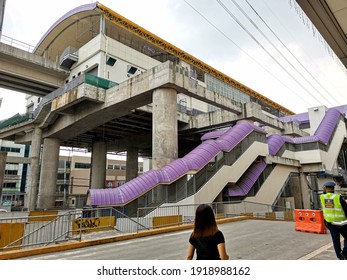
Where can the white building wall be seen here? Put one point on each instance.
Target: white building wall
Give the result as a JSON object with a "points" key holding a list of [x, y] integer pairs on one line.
{"points": [[13, 166], [96, 52], [316, 115]]}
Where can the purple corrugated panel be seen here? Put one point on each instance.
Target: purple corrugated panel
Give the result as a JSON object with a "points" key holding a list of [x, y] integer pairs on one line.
{"points": [[155, 174], [117, 196], [195, 160], [101, 196], [342, 109], [275, 142], [234, 191], [305, 139], [228, 143], [235, 135], [327, 125], [97, 197], [324, 130], [298, 118], [247, 180], [129, 193], [180, 166], [185, 163], [143, 182], [202, 154], [172, 171], [288, 139], [209, 149], [151, 178], [164, 175]]}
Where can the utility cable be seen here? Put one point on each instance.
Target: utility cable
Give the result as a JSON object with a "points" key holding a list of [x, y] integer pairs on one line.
{"points": [[297, 60], [260, 45], [237, 46], [284, 27]]}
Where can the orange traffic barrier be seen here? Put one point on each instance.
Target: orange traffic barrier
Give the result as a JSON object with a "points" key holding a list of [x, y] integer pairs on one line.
{"points": [[309, 221]]}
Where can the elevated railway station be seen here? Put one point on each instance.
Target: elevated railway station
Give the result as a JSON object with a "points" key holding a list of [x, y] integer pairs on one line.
{"points": [[206, 137]]}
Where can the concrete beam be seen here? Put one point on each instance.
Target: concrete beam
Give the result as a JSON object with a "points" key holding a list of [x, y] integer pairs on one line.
{"points": [[133, 93], [11, 159], [29, 73]]}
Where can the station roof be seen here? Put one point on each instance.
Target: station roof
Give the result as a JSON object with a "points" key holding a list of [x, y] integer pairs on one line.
{"points": [[72, 29], [330, 19], [80, 25]]}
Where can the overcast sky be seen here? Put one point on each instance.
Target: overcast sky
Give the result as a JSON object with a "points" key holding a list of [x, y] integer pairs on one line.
{"points": [[263, 44]]}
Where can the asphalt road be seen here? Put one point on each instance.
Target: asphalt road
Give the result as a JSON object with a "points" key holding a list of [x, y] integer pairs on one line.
{"points": [[245, 240]]}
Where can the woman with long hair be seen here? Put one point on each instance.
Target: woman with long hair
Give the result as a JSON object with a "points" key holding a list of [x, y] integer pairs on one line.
{"points": [[206, 238]]}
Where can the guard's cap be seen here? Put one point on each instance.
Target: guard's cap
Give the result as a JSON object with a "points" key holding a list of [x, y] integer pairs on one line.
{"points": [[329, 184]]}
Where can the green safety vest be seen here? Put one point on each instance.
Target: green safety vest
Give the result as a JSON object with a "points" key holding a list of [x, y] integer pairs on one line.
{"points": [[331, 206]]}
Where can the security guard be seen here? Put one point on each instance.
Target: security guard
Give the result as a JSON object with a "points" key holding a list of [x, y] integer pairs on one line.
{"points": [[335, 210]]}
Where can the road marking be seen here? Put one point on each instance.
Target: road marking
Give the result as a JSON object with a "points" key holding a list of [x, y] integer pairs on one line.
{"points": [[316, 252]]}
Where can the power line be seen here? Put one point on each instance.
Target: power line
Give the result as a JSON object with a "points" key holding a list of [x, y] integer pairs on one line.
{"points": [[260, 45], [297, 60], [284, 27], [236, 45]]}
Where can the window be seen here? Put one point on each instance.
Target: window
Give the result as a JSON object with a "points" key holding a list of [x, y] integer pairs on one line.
{"points": [[110, 61], [110, 166], [10, 185], [63, 187], [82, 165], [60, 176], [11, 172], [132, 69], [123, 167], [10, 149]]}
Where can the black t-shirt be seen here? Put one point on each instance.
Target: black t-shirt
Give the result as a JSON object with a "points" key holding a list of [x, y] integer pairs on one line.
{"points": [[206, 247]]}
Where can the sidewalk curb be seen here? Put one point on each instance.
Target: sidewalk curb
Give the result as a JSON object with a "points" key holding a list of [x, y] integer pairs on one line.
{"points": [[20, 253]]}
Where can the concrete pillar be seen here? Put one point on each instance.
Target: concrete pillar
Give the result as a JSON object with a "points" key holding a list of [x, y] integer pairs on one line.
{"points": [[3, 157], [306, 201], [33, 178], [164, 135], [132, 164], [296, 184], [98, 166], [49, 170]]}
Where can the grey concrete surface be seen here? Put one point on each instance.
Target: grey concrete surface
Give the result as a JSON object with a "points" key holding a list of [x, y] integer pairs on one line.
{"points": [[245, 240]]}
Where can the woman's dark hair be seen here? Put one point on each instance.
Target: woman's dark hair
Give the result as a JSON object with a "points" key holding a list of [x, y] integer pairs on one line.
{"points": [[205, 222]]}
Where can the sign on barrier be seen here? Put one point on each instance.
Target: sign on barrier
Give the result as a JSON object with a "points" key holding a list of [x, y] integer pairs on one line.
{"points": [[87, 225]]}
